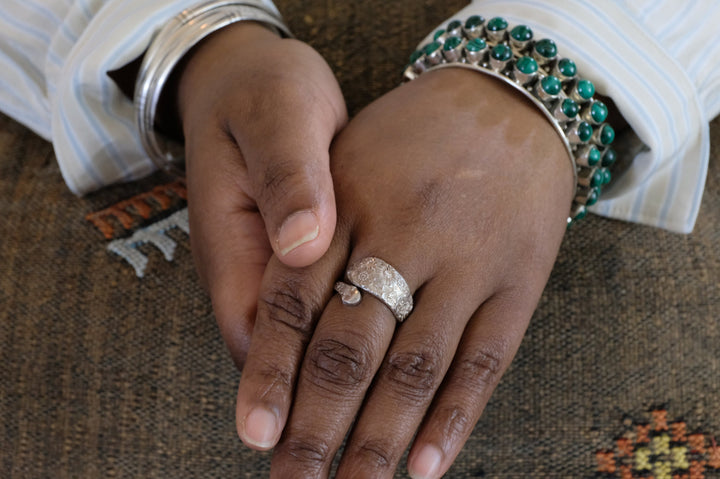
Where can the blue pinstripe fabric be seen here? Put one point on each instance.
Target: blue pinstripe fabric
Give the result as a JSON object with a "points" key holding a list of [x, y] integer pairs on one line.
{"points": [[55, 55], [656, 60]]}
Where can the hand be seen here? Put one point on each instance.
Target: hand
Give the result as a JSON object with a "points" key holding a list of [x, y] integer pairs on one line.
{"points": [[258, 115], [464, 187]]}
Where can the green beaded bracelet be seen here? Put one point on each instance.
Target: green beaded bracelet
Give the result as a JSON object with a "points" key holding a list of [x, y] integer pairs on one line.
{"points": [[549, 81]]}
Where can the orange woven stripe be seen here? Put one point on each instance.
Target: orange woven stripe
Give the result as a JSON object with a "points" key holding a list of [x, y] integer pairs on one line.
{"points": [[130, 213]]}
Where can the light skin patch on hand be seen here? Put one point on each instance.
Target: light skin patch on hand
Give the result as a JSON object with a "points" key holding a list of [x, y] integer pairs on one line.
{"points": [[470, 174]]}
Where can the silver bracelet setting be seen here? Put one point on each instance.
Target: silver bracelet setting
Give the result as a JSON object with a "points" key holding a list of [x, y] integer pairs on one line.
{"points": [[551, 82], [167, 49]]}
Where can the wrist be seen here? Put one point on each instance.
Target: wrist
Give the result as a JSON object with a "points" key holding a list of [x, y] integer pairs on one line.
{"points": [[171, 45], [203, 66], [551, 82], [523, 138]]}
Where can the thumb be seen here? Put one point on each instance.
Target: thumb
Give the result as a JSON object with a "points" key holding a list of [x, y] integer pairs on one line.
{"points": [[290, 174]]}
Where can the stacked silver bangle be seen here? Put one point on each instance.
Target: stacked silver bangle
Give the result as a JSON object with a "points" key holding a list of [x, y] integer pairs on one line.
{"points": [[551, 82], [167, 49]]}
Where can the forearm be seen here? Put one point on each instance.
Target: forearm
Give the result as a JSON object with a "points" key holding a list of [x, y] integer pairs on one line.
{"points": [[55, 79]]}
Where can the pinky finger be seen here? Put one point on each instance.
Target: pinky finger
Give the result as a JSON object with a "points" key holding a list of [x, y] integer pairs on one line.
{"points": [[489, 344]]}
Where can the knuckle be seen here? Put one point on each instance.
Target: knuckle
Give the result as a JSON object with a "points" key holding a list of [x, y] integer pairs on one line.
{"points": [[274, 379], [310, 453], [415, 373], [279, 177], [288, 304], [455, 421], [336, 366], [283, 166], [374, 455], [483, 367]]}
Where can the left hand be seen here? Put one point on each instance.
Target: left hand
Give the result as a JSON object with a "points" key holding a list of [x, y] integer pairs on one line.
{"points": [[464, 187]]}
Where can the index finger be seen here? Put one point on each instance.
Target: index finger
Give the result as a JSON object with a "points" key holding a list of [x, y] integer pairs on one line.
{"points": [[227, 234], [290, 301]]}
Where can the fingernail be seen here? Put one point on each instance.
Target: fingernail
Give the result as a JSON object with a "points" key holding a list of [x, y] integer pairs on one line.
{"points": [[426, 464], [261, 428], [299, 228]]}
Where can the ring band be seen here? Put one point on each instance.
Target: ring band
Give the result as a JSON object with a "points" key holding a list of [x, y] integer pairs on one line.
{"points": [[376, 277]]}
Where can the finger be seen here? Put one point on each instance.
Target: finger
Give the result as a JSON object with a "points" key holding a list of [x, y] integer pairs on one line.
{"points": [[345, 352], [285, 138], [227, 235], [290, 302], [488, 345], [337, 370], [295, 196], [413, 369], [283, 116]]}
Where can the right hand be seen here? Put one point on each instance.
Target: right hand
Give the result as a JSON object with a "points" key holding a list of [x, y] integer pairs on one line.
{"points": [[258, 114], [464, 187]]}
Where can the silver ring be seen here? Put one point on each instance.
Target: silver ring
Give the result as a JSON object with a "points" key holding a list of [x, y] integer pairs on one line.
{"points": [[378, 278]]}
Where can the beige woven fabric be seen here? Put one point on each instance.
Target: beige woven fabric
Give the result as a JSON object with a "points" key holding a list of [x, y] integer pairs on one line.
{"points": [[106, 375]]}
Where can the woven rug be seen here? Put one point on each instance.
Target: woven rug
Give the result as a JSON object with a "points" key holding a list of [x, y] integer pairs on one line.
{"points": [[105, 374]]}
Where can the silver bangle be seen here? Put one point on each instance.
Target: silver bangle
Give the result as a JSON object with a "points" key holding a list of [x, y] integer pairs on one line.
{"points": [[551, 82], [168, 47]]}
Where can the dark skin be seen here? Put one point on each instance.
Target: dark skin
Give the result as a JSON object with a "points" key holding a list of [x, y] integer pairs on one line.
{"points": [[257, 131], [455, 180]]}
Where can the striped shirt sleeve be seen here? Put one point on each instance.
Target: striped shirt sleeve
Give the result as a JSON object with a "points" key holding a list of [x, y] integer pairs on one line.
{"points": [[54, 60], [658, 63]]}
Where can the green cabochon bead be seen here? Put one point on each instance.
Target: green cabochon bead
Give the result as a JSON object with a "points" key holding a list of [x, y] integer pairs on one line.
{"points": [[551, 85], [438, 34], [570, 108], [431, 48], [607, 177], [599, 112], [598, 178], [497, 24], [521, 33], [594, 197], [451, 43], [582, 213], [474, 22], [607, 135], [415, 56], [609, 157], [476, 45], [546, 48], [454, 25], [527, 65], [585, 89], [501, 53], [451, 49], [585, 131], [567, 67], [588, 156]]}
